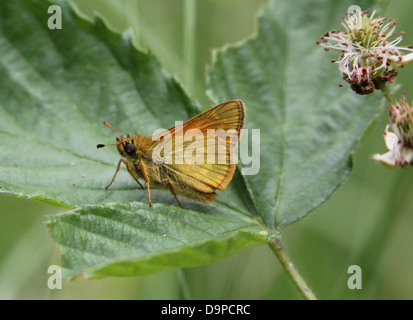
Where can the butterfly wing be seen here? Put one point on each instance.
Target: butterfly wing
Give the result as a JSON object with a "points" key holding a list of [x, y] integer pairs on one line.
{"points": [[226, 115], [214, 154]]}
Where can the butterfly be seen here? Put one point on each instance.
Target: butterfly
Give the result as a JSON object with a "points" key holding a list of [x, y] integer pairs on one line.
{"points": [[192, 159]]}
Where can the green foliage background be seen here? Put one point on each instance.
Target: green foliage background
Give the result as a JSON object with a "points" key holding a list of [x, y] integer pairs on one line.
{"points": [[367, 222]]}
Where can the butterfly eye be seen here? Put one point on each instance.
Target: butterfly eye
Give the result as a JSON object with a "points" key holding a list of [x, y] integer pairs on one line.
{"points": [[130, 148]]}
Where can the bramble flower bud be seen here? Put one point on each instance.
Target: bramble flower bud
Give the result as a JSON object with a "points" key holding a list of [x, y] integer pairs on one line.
{"points": [[400, 141], [369, 51]]}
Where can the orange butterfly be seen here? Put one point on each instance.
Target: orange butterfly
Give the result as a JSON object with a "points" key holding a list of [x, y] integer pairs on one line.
{"points": [[181, 172]]}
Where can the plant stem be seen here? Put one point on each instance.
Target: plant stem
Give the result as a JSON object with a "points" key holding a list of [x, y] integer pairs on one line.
{"points": [[189, 43], [182, 277], [386, 92], [292, 272]]}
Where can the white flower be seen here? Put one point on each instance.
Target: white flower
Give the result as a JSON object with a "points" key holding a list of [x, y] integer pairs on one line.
{"points": [[400, 141], [397, 154]]}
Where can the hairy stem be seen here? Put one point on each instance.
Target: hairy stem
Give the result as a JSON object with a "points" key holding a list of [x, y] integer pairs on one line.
{"points": [[292, 272], [386, 92]]}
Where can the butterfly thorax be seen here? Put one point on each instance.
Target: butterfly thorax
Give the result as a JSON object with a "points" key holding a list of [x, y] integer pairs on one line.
{"points": [[137, 150], [132, 146]]}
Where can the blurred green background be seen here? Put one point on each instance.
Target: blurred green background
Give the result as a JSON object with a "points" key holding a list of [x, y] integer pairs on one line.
{"points": [[367, 222]]}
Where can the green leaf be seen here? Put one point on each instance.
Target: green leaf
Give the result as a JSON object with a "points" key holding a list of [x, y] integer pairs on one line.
{"points": [[58, 86], [308, 125], [133, 239]]}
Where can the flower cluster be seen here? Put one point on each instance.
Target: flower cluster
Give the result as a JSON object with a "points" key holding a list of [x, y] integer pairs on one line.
{"points": [[370, 54], [369, 50]]}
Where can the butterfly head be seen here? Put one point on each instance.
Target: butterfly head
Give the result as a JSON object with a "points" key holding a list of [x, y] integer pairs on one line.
{"points": [[125, 144]]}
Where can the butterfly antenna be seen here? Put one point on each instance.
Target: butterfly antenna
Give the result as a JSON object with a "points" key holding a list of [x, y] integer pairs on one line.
{"points": [[105, 145], [108, 125]]}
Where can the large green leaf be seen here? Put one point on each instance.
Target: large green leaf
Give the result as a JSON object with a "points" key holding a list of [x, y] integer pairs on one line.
{"points": [[309, 126], [58, 86]]}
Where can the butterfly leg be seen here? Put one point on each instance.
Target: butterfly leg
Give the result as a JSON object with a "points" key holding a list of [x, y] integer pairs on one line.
{"points": [[133, 171], [116, 172], [176, 198], [171, 188], [146, 177], [130, 168]]}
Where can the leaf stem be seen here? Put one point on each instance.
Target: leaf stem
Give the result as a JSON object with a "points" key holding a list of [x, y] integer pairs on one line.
{"points": [[292, 272]]}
